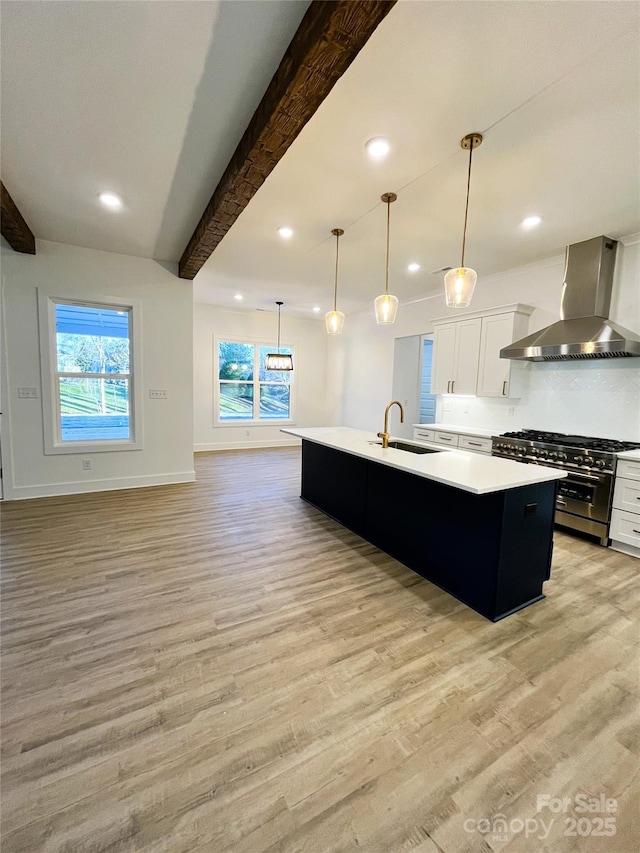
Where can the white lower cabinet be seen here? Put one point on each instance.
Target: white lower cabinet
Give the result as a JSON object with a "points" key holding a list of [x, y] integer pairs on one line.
{"points": [[625, 516], [473, 443], [448, 438]]}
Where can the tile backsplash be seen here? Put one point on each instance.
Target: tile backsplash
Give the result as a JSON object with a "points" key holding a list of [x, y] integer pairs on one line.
{"points": [[595, 397]]}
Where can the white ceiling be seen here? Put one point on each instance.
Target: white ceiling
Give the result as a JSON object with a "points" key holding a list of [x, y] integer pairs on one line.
{"points": [[146, 99], [149, 99]]}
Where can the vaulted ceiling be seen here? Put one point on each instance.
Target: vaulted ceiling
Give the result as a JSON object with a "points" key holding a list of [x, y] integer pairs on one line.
{"points": [[150, 99]]}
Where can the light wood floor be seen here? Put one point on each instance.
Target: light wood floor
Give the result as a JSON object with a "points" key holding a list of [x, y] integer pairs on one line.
{"points": [[219, 667]]}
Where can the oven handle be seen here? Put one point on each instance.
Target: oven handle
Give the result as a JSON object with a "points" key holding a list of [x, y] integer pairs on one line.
{"points": [[592, 477]]}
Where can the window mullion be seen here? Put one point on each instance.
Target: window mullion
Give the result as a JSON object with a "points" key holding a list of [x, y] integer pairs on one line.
{"points": [[256, 383]]}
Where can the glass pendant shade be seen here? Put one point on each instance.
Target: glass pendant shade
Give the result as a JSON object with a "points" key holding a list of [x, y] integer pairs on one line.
{"points": [[386, 307], [335, 322], [459, 284]]}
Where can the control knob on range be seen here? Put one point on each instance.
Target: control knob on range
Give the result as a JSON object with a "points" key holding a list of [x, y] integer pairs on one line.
{"points": [[587, 461], [600, 463], [562, 457], [577, 458]]}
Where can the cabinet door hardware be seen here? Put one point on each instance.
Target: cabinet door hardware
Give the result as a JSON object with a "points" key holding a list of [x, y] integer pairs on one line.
{"points": [[477, 444], [504, 388], [453, 382]]}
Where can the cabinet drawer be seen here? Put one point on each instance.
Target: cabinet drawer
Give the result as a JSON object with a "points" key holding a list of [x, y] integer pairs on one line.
{"points": [[423, 434], [628, 469], [625, 527], [472, 442], [627, 495], [446, 438]]}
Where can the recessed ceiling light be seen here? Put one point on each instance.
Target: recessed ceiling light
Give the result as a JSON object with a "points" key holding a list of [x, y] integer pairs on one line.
{"points": [[316, 308], [413, 267], [285, 232], [378, 147], [110, 200], [530, 222], [239, 297]]}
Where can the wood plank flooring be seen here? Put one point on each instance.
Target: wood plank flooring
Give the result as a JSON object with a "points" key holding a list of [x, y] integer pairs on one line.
{"points": [[219, 667]]}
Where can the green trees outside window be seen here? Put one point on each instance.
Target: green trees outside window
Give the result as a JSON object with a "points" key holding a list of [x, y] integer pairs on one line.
{"points": [[248, 392]]}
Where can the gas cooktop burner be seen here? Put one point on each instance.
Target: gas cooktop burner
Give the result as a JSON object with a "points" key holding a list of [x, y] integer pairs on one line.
{"points": [[604, 445]]}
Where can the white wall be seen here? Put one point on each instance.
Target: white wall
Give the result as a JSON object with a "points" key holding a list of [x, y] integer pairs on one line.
{"points": [[167, 332], [314, 403], [599, 397]]}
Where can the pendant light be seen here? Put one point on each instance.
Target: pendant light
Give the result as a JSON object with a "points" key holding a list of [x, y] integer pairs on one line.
{"points": [[386, 305], [335, 319], [279, 360], [460, 281]]}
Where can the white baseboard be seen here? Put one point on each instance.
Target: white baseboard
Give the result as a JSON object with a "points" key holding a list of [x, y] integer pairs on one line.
{"points": [[17, 493], [247, 445]]}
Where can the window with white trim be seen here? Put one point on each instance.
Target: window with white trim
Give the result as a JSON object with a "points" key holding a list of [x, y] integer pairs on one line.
{"points": [[246, 391], [88, 357]]}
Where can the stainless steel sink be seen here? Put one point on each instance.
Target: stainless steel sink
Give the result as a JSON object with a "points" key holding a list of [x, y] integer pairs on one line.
{"points": [[410, 448]]}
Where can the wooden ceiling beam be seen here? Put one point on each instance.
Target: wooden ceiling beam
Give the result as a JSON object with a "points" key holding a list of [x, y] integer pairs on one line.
{"points": [[329, 38], [12, 225]]}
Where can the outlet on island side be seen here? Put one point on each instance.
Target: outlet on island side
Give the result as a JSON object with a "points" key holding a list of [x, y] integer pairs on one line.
{"points": [[86, 464]]}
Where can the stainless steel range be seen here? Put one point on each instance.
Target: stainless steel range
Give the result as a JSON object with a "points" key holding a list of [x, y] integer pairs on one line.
{"points": [[584, 496]]}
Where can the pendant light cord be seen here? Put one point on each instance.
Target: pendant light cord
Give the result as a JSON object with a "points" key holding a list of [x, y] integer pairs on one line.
{"points": [[279, 307], [335, 289], [466, 209], [386, 274]]}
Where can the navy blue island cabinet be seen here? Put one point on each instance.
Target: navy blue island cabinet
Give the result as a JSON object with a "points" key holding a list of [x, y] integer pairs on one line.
{"points": [[491, 551]]}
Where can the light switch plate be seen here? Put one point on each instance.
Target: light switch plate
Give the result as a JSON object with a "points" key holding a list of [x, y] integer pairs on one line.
{"points": [[28, 393], [157, 394]]}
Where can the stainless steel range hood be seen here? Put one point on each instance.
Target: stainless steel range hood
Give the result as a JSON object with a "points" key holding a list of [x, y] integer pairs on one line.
{"points": [[584, 330]]}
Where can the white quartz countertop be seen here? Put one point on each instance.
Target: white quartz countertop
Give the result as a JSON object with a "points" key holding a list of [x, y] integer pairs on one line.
{"points": [[462, 430], [472, 472], [630, 454]]}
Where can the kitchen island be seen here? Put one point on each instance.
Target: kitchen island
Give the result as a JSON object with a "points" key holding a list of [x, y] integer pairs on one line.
{"points": [[479, 527]]}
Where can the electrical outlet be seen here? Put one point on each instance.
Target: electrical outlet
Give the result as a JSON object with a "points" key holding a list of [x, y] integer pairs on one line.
{"points": [[446, 407], [28, 393], [157, 394], [465, 410], [86, 464], [247, 433], [512, 410]]}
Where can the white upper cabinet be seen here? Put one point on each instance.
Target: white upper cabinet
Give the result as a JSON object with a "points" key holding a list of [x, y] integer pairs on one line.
{"points": [[495, 373], [466, 352], [456, 348]]}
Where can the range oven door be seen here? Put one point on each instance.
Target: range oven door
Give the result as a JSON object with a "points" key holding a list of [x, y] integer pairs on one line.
{"points": [[587, 495]]}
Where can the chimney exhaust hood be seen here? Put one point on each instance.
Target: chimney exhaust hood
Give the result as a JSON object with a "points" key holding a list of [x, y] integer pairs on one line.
{"points": [[584, 330]]}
